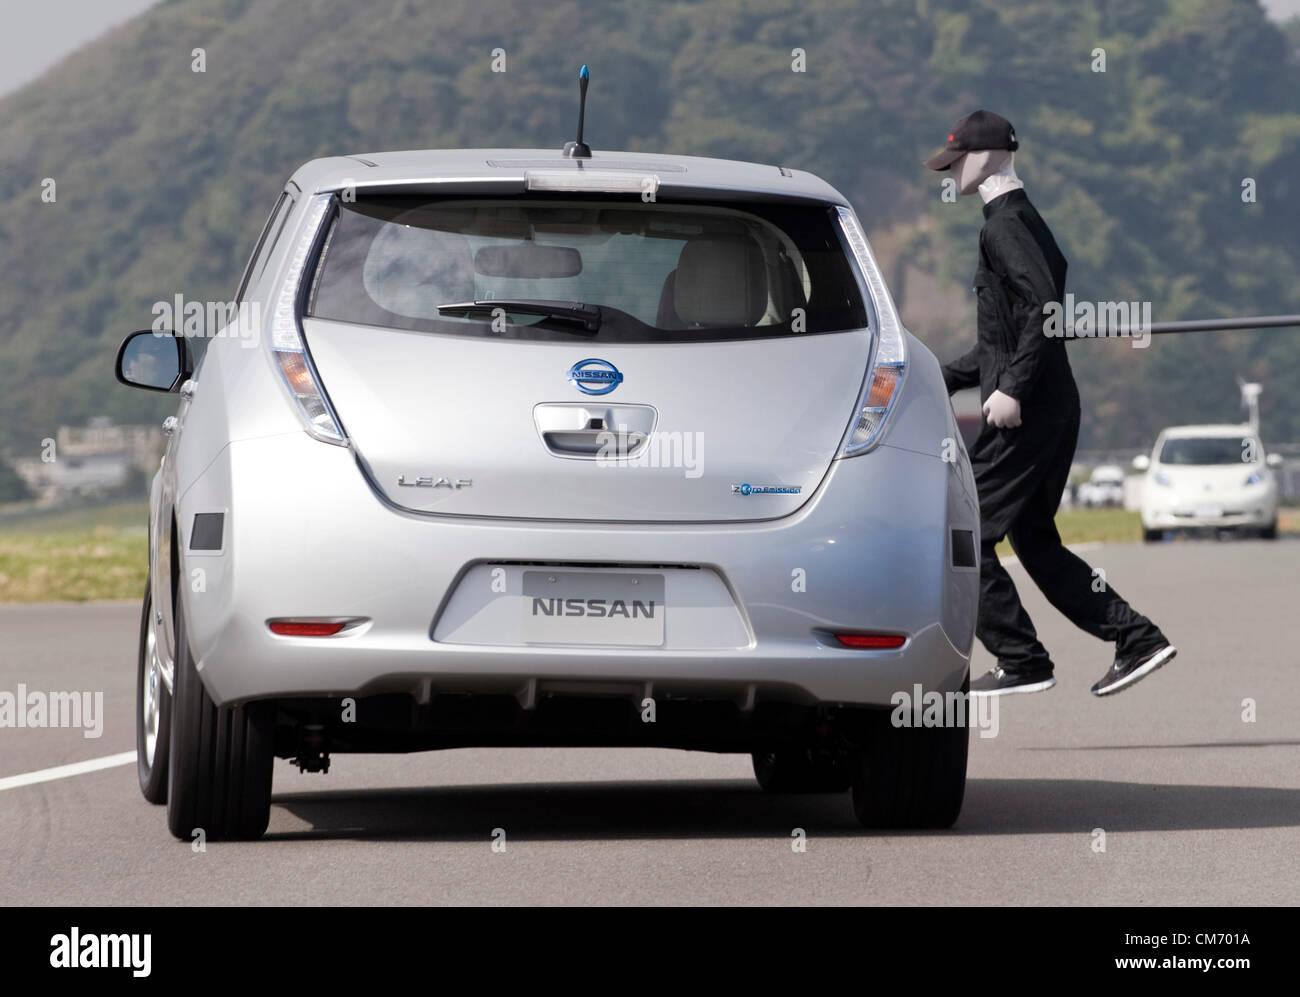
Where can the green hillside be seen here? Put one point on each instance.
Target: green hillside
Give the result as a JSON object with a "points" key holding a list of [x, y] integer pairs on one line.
{"points": [[164, 175]]}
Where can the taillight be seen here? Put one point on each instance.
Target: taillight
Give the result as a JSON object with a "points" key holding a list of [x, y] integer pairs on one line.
{"points": [[872, 642], [286, 338], [881, 386]]}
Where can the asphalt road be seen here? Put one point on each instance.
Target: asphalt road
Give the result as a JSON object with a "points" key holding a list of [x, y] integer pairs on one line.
{"points": [[1198, 806]]}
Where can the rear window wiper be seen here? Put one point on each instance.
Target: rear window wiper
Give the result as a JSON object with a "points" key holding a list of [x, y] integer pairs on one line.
{"points": [[586, 317]]}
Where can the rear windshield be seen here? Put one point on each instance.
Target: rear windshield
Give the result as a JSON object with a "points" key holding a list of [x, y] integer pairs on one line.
{"points": [[646, 272], [1207, 450]]}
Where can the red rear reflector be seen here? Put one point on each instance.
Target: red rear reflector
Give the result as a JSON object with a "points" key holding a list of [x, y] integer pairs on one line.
{"points": [[305, 628], [873, 641]]}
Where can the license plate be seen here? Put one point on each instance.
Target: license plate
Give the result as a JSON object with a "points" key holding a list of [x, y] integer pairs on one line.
{"points": [[1208, 512], [593, 607]]}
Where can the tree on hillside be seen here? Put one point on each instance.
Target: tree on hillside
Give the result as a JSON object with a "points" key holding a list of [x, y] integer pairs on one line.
{"points": [[12, 487]]}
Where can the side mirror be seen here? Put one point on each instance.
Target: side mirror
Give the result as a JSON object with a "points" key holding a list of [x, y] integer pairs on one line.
{"points": [[1273, 460], [1141, 462], [154, 361]]}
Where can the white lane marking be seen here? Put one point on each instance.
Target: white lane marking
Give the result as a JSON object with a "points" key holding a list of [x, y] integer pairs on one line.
{"points": [[64, 771], [1077, 548]]}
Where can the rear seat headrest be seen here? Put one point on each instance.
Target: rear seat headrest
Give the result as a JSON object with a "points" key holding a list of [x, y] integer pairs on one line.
{"points": [[721, 280]]}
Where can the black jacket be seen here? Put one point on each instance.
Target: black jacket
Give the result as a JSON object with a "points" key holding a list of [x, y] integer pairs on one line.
{"points": [[1020, 270]]}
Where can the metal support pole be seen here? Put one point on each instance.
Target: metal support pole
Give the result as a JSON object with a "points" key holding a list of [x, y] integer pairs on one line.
{"points": [[1246, 322]]}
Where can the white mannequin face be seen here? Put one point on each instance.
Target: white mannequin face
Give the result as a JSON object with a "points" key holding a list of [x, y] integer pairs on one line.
{"points": [[975, 167]]}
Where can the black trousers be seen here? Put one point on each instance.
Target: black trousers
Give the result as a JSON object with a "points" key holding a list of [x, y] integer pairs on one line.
{"points": [[1021, 475]]}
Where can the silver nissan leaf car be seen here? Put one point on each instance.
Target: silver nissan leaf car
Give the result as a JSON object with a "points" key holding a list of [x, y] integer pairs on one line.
{"points": [[516, 448]]}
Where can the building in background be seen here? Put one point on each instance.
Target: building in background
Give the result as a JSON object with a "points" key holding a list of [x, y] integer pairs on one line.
{"points": [[99, 459]]}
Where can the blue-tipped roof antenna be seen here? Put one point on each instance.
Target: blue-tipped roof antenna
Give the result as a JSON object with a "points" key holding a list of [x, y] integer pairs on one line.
{"points": [[580, 149]]}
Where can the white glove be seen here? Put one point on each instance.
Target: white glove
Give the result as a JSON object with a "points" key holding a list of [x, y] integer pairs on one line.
{"points": [[1002, 411]]}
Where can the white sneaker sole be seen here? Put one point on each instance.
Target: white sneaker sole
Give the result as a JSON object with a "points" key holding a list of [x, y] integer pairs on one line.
{"points": [[1145, 669], [1028, 687]]}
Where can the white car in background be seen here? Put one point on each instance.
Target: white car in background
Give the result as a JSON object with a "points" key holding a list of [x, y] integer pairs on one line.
{"points": [[1104, 487], [1209, 478]]}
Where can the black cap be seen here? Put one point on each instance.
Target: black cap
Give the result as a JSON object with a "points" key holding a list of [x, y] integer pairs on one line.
{"points": [[978, 131]]}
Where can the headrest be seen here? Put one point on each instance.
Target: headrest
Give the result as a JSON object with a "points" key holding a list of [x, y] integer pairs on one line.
{"points": [[720, 281]]}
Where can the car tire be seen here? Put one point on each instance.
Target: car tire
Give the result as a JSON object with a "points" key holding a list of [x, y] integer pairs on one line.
{"points": [[1269, 532], [1152, 536], [801, 770], [153, 711], [911, 777], [219, 779]]}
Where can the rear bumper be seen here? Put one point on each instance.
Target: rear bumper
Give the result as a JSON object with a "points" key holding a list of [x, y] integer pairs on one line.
{"points": [[306, 537]]}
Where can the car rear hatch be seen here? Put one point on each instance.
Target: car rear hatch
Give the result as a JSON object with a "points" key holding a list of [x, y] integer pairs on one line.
{"points": [[694, 432], [586, 358]]}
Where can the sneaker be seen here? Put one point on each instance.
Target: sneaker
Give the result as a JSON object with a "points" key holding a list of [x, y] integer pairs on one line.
{"points": [[998, 682], [1129, 669]]}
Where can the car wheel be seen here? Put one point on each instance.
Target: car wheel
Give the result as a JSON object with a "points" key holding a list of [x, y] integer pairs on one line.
{"points": [[1152, 536], [219, 778], [1269, 532], [153, 711], [801, 770], [911, 777]]}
